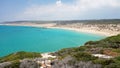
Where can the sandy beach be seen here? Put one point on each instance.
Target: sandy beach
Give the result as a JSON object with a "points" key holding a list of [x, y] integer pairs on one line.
{"points": [[69, 27]]}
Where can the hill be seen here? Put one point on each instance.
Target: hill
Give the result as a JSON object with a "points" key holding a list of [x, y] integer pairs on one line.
{"points": [[83, 56], [100, 21]]}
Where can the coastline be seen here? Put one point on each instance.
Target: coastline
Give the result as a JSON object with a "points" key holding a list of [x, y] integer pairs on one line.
{"points": [[53, 26]]}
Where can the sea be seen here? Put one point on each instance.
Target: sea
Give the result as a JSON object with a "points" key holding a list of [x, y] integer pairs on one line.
{"points": [[36, 39]]}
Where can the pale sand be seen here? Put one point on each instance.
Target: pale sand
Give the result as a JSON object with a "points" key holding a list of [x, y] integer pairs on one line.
{"points": [[47, 55], [53, 26], [102, 56]]}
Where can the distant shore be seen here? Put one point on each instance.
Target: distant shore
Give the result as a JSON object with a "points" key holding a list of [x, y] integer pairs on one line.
{"points": [[53, 25]]}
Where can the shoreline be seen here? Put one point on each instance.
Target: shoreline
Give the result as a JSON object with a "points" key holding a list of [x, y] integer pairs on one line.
{"points": [[79, 31], [52, 26]]}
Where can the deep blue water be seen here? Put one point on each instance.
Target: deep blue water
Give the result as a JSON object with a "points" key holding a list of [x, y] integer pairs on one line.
{"points": [[20, 38]]}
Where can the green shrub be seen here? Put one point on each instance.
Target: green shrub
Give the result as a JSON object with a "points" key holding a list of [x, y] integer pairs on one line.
{"points": [[83, 56], [20, 55], [103, 61], [117, 58], [109, 42], [113, 65]]}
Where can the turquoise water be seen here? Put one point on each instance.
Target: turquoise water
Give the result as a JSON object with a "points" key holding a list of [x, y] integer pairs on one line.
{"points": [[20, 38]]}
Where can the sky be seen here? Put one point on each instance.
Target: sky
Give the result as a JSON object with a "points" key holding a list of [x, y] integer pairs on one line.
{"points": [[16, 10]]}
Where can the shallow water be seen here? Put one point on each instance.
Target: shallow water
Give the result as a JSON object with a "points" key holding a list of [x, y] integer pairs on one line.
{"points": [[21, 38]]}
